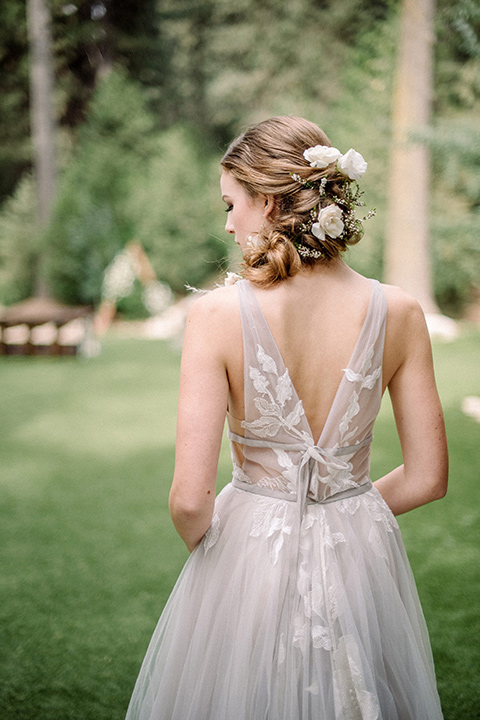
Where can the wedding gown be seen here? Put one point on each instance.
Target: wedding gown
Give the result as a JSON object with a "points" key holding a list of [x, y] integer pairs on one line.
{"points": [[299, 603]]}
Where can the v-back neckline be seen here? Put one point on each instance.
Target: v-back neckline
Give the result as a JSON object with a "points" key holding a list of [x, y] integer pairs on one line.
{"points": [[374, 284]]}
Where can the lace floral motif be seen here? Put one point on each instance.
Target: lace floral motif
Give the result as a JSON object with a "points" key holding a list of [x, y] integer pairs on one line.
{"points": [[362, 380], [281, 483], [351, 694], [275, 393], [270, 518], [322, 598], [213, 533], [380, 511]]}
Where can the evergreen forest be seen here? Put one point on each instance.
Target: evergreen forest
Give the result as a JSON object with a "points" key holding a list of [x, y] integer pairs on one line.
{"points": [[148, 94]]}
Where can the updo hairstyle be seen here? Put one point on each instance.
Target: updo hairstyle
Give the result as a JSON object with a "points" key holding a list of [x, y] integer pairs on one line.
{"points": [[263, 160]]}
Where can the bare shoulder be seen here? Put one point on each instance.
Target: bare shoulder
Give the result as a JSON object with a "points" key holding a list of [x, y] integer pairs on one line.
{"points": [[406, 334], [213, 322], [405, 314], [215, 306]]}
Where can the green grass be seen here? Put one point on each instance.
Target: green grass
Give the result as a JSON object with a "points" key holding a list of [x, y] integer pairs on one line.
{"points": [[89, 554]]}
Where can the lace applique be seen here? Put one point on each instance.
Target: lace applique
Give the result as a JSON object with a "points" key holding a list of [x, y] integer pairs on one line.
{"points": [[366, 381], [269, 518], [329, 538], [382, 515], [377, 507], [349, 505], [352, 410], [239, 474], [275, 393], [285, 482], [320, 636], [289, 471], [362, 380], [339, 479], [320, 606], [211, 536], [274, 483], [380, 510], [375, 540], [351, 694]]}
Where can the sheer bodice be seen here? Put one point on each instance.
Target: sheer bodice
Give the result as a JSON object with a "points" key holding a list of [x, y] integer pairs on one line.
{"points": [[280, 454]]}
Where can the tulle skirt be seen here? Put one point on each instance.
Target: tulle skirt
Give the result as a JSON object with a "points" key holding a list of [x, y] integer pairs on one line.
{"points": [[267, 623]]}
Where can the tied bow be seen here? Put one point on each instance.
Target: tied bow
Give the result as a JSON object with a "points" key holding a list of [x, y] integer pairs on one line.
{"points": [[312, 455]]}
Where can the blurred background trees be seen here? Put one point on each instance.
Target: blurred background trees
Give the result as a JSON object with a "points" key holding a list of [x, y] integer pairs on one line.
{"points": [[148, 93]]}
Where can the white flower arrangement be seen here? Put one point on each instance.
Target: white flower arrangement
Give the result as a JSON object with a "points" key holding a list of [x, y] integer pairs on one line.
{"points": [[330, 222], [231, 278], [321, 156], [119, 277], [351, 164], [337, 216], [157, 297]]}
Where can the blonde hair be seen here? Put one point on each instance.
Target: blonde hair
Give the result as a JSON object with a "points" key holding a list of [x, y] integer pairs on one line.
{"points": [[268, 159]]}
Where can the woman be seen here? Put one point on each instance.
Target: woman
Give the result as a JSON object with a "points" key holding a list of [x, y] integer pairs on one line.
{"points": [[297, 601]]}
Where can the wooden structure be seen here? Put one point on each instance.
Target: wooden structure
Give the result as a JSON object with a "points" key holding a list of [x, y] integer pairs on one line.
{"points": [[143, 271], [42, 326]]}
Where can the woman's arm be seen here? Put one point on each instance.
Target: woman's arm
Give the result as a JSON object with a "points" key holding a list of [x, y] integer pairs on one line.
{"points": [[418, 416], [201, 416]]}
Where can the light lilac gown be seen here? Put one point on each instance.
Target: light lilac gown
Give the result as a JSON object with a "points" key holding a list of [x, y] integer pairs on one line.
{"points": [[299, 603]]}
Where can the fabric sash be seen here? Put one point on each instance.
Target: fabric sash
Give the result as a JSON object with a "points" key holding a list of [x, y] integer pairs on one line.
{"points": [[311, 454]]}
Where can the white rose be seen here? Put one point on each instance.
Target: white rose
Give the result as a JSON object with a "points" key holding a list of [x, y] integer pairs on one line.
{"points": [[352, 164], [232, 278], [321, 156], [330, 222]]}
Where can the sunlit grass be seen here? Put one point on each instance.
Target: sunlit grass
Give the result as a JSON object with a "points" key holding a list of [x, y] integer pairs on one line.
{"points": [[89, 554]]}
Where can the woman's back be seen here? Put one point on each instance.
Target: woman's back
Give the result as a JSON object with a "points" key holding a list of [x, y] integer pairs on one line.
{"points": [[316, 319]]}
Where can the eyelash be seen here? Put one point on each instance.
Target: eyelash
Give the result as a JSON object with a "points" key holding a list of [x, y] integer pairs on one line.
{"points": [[229, 208]]}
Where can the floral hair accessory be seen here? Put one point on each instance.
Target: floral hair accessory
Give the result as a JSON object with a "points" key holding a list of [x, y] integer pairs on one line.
{"points": [[321, 156], [334, 216], [330, 222], [352, 164], [306, 251], [231, 278]]}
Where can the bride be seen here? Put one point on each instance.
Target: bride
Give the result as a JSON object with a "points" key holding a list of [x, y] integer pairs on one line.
{"points": [[297, 601]]}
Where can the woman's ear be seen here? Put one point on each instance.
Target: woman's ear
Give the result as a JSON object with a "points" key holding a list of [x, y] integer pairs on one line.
{"points": [[269, 205]]}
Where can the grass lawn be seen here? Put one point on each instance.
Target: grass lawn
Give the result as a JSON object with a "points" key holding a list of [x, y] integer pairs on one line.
{"points": [[89, 554]]}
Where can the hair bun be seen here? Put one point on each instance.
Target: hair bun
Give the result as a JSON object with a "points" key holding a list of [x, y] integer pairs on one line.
{"points": [[270, 259]]}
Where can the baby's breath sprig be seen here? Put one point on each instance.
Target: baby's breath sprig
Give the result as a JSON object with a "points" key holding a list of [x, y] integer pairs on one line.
{"points": [[305, 183]]}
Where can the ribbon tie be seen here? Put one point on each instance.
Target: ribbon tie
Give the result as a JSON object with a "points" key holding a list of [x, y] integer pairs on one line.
{"points": [[312, 455]]}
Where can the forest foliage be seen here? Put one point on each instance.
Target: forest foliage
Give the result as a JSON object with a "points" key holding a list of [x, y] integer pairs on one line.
{"points": [[150, 92]]}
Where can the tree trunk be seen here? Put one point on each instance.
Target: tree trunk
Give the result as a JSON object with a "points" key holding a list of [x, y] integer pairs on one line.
{"points": [[42, 119], [407, 259]]}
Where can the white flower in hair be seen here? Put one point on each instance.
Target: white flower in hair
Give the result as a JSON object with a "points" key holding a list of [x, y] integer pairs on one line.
{"points": [[352, 164], [321, 156], [330, 222], [231, 278]]}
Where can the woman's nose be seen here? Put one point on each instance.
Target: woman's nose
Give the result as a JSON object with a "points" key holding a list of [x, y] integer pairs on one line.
{"points": [[228, 226]]}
